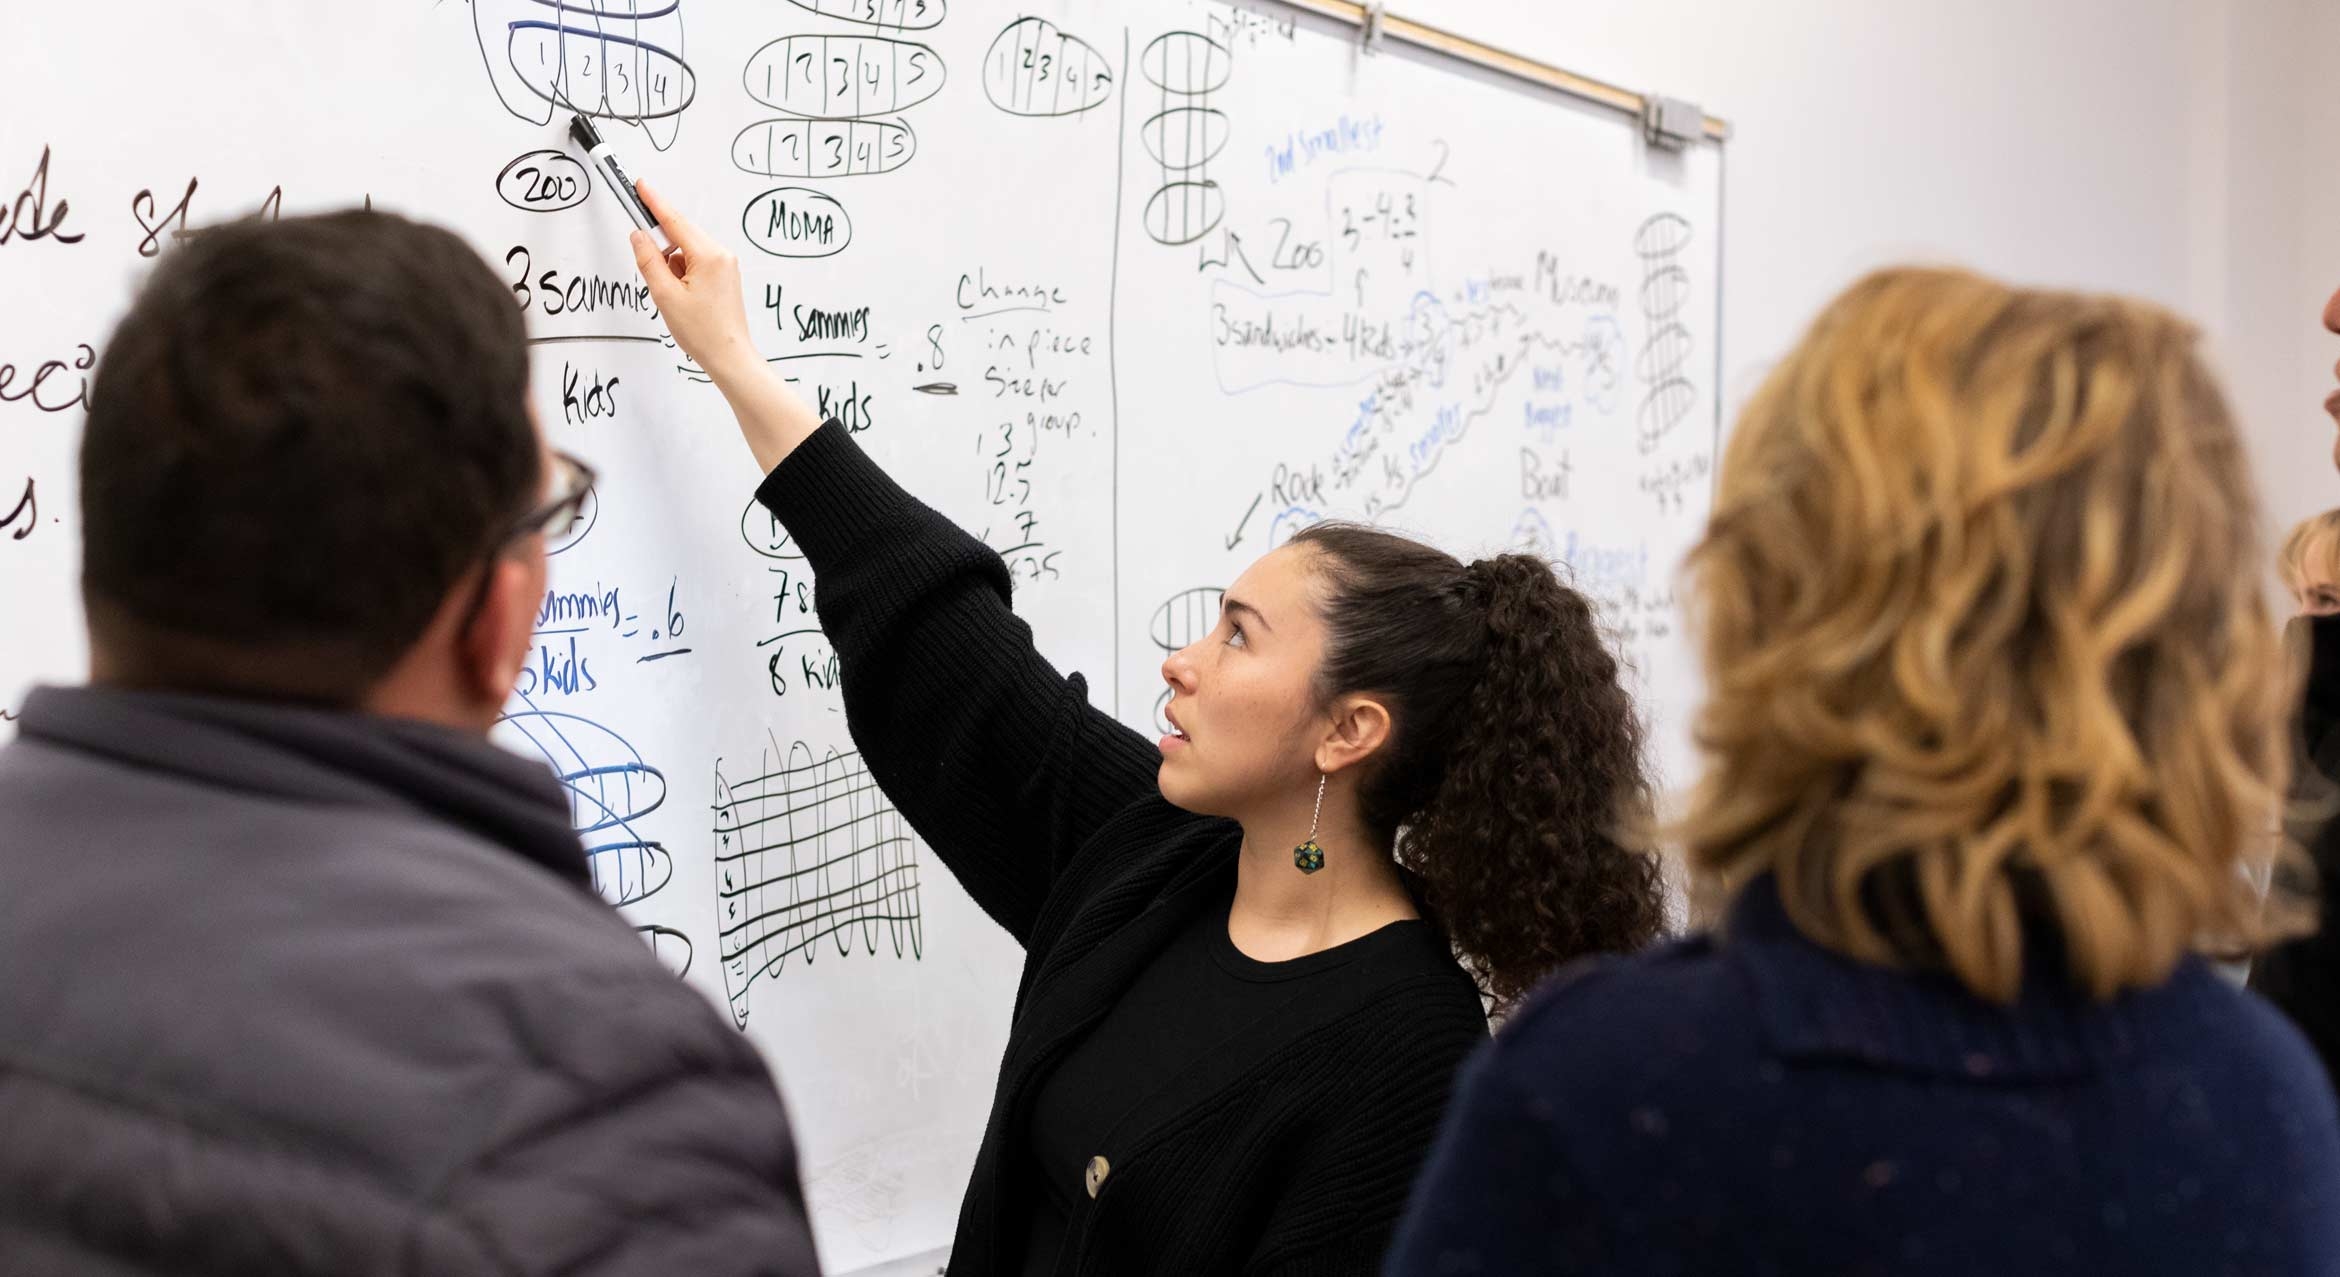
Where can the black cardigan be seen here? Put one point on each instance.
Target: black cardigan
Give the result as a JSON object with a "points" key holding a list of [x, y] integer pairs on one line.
{"points": [[2302, 976], [1289, 1152]]}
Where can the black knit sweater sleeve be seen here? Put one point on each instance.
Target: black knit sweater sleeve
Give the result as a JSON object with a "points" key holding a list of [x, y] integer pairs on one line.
{"points": [[999, 762]]}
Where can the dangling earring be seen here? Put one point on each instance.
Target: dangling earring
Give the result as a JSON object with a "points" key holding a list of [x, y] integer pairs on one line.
{"points": [[1308, 857]]}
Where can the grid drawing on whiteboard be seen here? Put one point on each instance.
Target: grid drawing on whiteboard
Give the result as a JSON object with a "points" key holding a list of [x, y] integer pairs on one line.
{"points": [[808, 851]]}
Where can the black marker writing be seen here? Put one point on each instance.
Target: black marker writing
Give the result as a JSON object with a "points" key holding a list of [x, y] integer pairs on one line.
{"points": [[271, 208], [1035, 69], [152, 245], [543, 182], [978, 290], [840, 77], [37, 387], [598, 400], [808, 850], [1184, 134], [790, 221], [554, 294], [849, 409], [27, 513], [28, 218], [605, 63], [911, 15]]}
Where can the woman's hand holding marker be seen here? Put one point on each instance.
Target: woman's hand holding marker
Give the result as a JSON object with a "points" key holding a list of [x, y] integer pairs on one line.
{"points": [[697, 292], [699, 297]]}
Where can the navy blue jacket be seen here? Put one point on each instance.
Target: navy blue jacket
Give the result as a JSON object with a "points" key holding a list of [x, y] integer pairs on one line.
{"points": [[1757, 1104]]}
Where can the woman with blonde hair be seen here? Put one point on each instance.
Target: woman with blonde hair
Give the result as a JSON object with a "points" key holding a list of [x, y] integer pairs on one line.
{"points": [[1994, 729], [2310, 564]]}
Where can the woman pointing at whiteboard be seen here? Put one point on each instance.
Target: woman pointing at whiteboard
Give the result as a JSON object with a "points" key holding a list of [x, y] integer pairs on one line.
{"points": [[1241, 1005]]}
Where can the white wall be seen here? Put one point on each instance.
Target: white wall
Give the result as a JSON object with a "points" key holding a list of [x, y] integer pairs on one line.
{"points": [[2183, 150], [2279, 260], [2309, 142]]}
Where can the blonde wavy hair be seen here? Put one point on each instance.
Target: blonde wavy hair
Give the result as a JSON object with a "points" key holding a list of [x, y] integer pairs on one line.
{"points": [[1985, 646], [2310, 555]]}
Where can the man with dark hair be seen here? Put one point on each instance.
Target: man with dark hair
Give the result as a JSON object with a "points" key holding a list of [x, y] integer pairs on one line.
{"points": [[301, 974]]}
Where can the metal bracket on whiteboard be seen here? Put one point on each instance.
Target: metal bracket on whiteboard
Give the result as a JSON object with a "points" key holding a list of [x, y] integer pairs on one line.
{"points": [[1369, 30], [1670, 123]]}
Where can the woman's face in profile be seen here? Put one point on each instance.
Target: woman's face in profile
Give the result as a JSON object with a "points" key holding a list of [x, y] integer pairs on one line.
{"points": [[2332, 404], [1243, 707]]}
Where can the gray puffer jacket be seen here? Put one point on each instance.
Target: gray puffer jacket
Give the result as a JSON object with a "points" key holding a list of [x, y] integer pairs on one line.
{"points": [[292, 991]]}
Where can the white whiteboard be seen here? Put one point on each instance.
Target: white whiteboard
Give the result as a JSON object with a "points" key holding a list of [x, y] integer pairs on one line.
{"points": [[1133, 290]]}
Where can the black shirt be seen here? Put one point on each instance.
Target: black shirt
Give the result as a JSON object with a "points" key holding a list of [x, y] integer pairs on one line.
{"points": [[1197, 993], [2302, 976]]}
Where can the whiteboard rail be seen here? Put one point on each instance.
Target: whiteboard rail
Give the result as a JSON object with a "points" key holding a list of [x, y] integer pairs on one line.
{"points": [[1598, 92]]}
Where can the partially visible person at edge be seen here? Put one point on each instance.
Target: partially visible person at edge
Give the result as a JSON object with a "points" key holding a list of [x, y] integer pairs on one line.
{"points": [[302, 975], [1241, 1007], [2309, 563], [2303, 976], [1994, 727]]}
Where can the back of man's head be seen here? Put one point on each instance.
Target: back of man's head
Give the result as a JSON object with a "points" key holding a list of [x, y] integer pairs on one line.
{"points": [[302, 435]]}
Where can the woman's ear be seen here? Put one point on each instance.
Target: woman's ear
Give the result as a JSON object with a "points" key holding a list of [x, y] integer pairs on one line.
{"points": [[1359, 726]]}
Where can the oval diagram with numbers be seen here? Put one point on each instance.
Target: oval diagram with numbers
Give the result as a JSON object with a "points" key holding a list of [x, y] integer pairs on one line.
{"points": [[1033, 69], [901, 15], [841, 77], [599, 73], [823, 148]]}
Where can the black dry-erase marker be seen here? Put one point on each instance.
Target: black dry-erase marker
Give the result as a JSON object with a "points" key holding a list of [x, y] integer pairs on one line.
{"points": [[582, 132]]}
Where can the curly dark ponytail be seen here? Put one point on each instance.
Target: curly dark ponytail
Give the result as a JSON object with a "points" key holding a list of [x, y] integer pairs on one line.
{"points": [[1514, 766]]}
